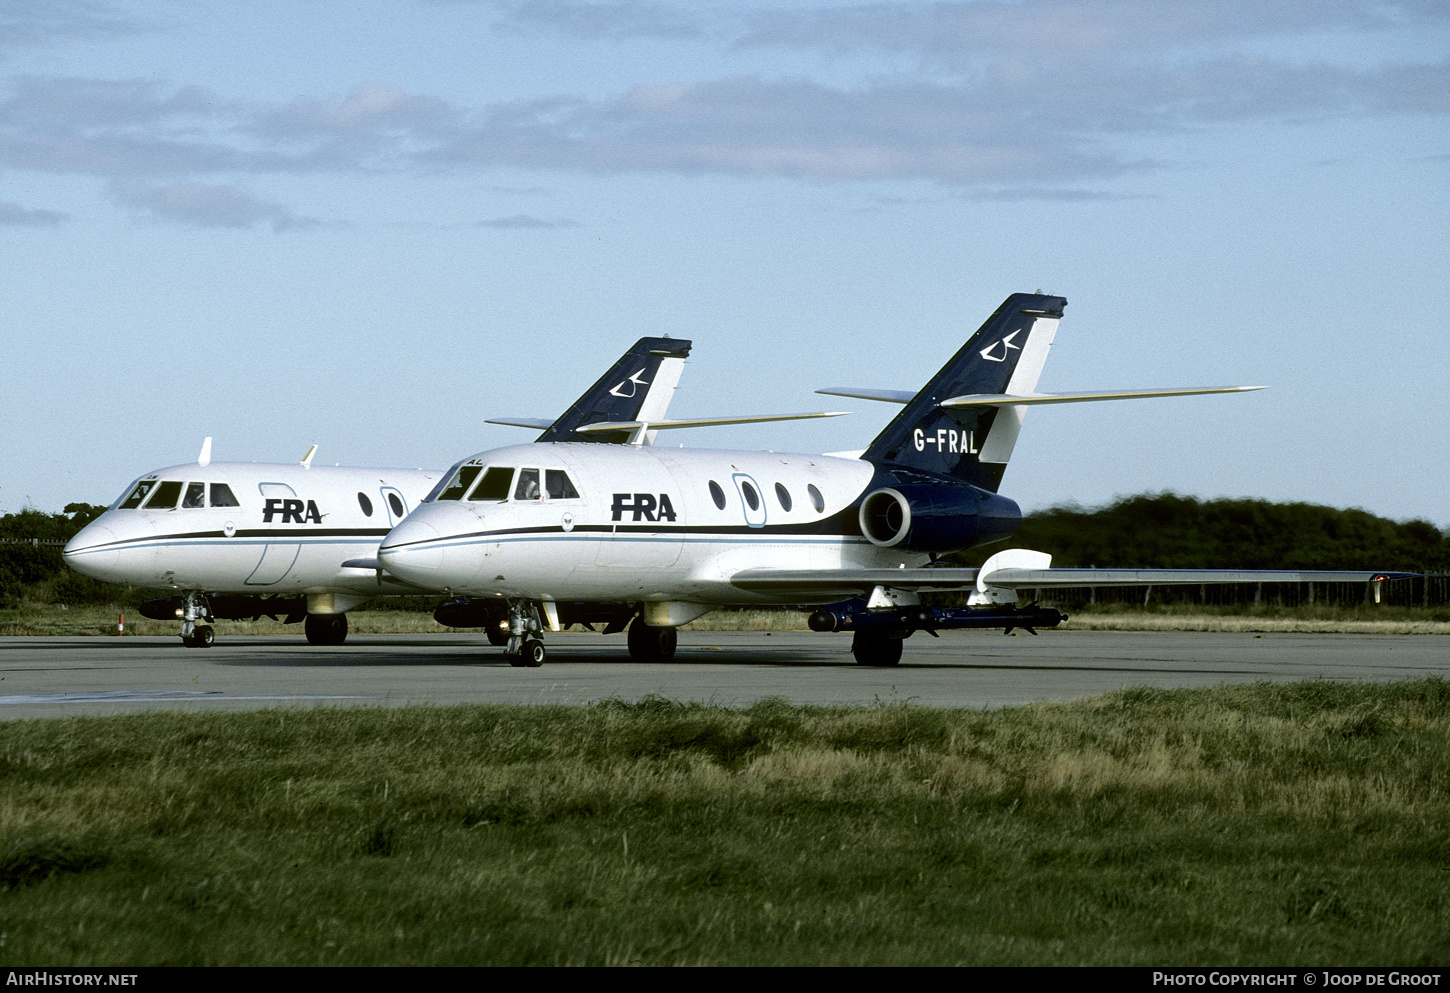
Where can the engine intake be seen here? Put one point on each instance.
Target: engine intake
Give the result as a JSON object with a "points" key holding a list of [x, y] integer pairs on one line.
{"points": [[932, 517]]}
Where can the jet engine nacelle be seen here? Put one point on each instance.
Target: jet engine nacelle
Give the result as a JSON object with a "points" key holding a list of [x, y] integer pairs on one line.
{"points": [[937, 517]]}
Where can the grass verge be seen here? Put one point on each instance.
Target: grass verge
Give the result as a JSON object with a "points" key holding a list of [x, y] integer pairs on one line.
{"points": [[1269, 824]]}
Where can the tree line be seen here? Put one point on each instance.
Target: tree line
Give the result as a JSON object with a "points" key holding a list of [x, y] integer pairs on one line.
{"points": [[36, 573], [1168, 531]]}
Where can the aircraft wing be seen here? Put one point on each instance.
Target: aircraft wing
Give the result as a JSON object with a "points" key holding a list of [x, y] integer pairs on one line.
{"points": [[852, 582]]}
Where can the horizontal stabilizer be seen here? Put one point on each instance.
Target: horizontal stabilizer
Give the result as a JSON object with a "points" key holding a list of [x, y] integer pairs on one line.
{"points": [[537, 424], [605, 427], [886, 396], [1005, 399]]}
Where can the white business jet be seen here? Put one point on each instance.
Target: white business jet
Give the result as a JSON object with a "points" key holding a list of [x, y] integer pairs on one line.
{"points": [[243, 539], [680, 532]]}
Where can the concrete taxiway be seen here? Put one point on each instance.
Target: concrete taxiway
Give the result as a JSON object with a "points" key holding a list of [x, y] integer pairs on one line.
{"points": [[51, 677]]}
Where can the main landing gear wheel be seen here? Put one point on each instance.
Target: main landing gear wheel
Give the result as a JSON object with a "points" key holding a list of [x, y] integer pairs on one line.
{"points": [[202, 637], [647, 644], [531, 656], [326, 629], [875, 648]]}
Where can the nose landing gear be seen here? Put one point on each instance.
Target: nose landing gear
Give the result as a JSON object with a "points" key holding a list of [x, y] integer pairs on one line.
{"points": [[196, 608], [524, 651]]}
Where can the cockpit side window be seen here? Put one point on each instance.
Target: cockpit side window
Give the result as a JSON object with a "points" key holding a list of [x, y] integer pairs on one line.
{"points": [[164, 498], [460, 482], [528, 487], [494, 485], [556, 481], [138, 494], [222, 496], [195, 495]]}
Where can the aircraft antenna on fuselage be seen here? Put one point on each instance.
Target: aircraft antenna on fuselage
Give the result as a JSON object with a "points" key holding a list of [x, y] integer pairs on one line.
{"points": [[205, 457], [306, 462]]}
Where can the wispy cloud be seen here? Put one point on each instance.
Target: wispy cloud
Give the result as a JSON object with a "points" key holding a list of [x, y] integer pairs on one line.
{"points": [[960, 33], [527, 221], [42, 22], [606, 19], [18, 216], [205, 205]]}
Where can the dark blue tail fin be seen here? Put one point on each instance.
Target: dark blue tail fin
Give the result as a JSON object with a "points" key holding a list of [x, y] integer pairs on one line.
{"points": [[638, 387], [973, 443]]}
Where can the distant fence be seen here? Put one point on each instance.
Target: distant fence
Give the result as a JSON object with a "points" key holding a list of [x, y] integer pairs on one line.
{"points": [[34, 542], [1429, 590]]}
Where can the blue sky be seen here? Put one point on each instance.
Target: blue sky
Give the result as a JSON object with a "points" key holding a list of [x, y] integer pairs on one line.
{"points": [[373, 225]]}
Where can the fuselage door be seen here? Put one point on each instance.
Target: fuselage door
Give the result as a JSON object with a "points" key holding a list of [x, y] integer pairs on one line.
{"points": [[396, 503], [278, 556], [752, 499]]}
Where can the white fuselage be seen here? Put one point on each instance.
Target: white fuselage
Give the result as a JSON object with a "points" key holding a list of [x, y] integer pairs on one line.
{"points": [[642, 523], [289, 529]]}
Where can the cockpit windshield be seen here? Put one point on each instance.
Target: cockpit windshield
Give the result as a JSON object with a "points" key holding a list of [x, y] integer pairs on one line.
{"points": [[528, 488], [458, 485], [164, 496], [138, 494], [559, 486], [494, 485], [195, 495]]}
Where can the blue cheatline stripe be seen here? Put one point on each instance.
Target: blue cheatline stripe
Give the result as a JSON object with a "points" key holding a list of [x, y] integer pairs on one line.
{"points": [[764, 539]]}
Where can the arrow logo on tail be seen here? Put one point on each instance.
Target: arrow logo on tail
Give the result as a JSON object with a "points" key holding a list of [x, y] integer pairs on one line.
{"points": [[631, 382], [1006, 343]]}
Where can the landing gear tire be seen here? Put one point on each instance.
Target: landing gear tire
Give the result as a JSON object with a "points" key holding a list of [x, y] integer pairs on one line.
{"points": [[326, 629], [497, 635], [875, 649], [203, 636], [533, 653], [648, 644]]}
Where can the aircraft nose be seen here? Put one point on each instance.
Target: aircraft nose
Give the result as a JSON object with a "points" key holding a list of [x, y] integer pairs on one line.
{"points": [[412, 553], [92, 552]]}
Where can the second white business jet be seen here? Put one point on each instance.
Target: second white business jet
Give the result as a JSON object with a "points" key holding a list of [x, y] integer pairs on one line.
{"points": [[682, 531]]}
